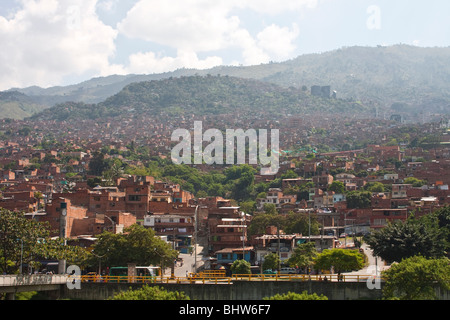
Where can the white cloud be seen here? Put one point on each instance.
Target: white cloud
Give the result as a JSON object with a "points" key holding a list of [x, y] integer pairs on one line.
{"points": [[198, 25], [278, 42], [107, 5], [45, 42], [48, 40], [150, 62], [202, 26], [274, 7], [251, 53]]}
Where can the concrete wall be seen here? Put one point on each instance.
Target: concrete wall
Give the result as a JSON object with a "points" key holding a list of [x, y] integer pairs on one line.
{"points": [[239, 290]]}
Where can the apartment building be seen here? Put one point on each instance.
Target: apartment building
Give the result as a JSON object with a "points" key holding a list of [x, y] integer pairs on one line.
{"points": [[227, 228]]}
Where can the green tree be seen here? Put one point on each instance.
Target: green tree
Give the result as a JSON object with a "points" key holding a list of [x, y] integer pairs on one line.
{"points": [[270, 208], [441, 218], [290, 174], [248, 206], [374, 187], [359, 199], [295, 222], [340, 259], [150, 293], [136, 245], [414, 181], [97, 164], [297, 296], [243, 186], [271, 261], [303, 255], [403, 239], [259, 223], [337, 187], [23, 240], [241, 267], [113, 172], [93, 182], [416, 278]]}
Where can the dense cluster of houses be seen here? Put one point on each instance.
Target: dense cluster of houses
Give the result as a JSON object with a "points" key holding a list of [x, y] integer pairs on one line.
{"points": [[181, 218], [45, 193]]}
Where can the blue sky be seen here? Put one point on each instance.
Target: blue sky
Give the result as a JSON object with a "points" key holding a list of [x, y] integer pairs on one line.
{"points": [[51, 42]]}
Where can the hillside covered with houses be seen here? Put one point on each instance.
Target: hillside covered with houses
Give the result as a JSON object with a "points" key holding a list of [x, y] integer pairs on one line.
{"points": [[339, 174]]}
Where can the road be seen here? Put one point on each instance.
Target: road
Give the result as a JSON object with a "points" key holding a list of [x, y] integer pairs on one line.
{"points": [[181, 270], [370, 269]]}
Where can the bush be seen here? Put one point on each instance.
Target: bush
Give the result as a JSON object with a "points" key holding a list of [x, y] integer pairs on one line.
{"points": [[416, 278], [241, 267], [297, 296], [150, 293]]}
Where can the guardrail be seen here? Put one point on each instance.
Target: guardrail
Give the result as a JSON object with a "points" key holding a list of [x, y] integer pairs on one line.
{"points": [[31, 280], [227, 280]]}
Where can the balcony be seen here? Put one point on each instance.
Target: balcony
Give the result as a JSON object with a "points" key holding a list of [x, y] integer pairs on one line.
{"points": [[173, 225]]}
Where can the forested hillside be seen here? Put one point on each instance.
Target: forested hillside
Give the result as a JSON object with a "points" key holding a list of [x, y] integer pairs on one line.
{"points": [[396, 79], [416, 78], [208, 95]]}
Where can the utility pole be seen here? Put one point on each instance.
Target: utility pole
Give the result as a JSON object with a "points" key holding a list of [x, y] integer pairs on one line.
{"points": [[309, 224], [243, 235], [195, 238], [62, 234], [279, 248]]}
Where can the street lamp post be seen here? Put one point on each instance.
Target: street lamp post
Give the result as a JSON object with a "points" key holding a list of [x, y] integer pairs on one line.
{"points": [[100, 261], [21, 256], [309, 224], [195, 238], [243, 235], [113, 224]]}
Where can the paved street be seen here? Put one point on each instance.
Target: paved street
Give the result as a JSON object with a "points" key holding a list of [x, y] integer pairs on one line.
{"points": [[181, 270], [370, 269]]}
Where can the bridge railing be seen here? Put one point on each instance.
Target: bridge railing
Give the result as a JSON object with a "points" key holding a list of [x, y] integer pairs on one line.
{"points": [[192, 278], [19, 280], [29, 280]]}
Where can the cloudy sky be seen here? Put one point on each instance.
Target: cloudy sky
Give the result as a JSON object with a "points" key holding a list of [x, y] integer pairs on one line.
{"points": [[51, 42]]}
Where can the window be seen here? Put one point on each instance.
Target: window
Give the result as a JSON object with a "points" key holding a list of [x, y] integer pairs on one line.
{"points": [[134, 198], [379, 222]]}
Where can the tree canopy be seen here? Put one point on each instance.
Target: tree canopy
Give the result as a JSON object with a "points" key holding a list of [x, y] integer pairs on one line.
{"points": [[150, 293], [303, 255], [399, 240], [271, 261], [241, 267], [416, 278], [24, 241], [136, 245], [297, 296], [340, 259], [292, 222]]}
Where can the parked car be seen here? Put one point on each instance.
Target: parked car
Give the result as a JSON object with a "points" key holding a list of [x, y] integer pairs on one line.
{"points": [[287, 271], [269, 271]]}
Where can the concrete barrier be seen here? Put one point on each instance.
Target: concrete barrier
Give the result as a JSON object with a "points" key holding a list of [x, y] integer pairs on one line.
{"points": [[238, 290]]}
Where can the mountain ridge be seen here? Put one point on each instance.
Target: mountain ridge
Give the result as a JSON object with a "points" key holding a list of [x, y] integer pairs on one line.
{"points": [[201, 95], [417, 78]]}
